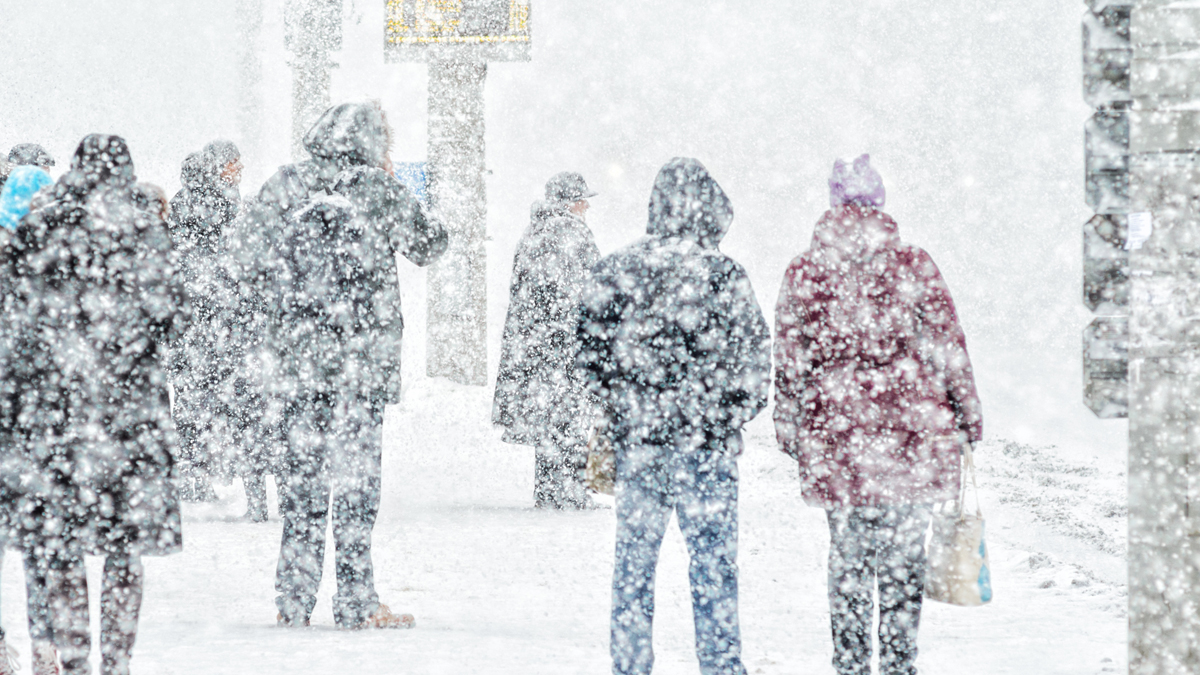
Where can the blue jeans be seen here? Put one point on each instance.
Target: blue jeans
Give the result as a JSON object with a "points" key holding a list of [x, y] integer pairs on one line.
{"points": [[334, 451], [870, 545], [701, 488]]}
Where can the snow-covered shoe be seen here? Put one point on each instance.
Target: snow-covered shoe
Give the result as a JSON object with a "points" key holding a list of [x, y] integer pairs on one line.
{"points": [[290, 623], [383, 618], [8, 659], [256, 515], [45, 658]]}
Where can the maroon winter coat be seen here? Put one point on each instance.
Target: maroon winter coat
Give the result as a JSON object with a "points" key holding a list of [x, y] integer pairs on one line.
{"points": [[873, 386]]}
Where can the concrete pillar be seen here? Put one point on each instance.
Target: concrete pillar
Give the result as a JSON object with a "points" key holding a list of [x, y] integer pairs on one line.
{"points": [[1164, 410], [250, 99], [312, 30], [457, 342]]}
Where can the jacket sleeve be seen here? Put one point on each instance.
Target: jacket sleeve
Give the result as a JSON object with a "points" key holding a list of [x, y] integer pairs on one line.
{"points": [[792, 364], [599, 315], [748, 365], [410, 228], [946, 347]]}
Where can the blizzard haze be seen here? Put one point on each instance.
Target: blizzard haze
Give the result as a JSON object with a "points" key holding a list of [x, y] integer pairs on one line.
{"points": [[971, 111]]}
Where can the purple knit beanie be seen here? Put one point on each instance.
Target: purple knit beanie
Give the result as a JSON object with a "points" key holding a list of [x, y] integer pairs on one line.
{"points": [[857, 183]]}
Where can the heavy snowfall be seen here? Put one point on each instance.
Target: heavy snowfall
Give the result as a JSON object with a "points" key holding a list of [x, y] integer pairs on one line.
{"points": [[971, 115]]}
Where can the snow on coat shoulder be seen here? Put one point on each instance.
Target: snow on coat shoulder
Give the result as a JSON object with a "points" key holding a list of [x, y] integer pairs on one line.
{"points": [[874, 388]]}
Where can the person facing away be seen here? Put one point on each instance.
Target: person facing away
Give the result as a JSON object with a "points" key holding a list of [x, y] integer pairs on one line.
{"points": [[874, 397], [95, 296], [540, 400], [205, 205], [319, 245], [675, 348], [16, 199]]}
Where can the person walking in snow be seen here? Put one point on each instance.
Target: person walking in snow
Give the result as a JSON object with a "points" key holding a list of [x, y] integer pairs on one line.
{"points": [[16, 198], [675, 348], [95, 297], [874, 397], [540, 400], [320, 243], [205, 205]]}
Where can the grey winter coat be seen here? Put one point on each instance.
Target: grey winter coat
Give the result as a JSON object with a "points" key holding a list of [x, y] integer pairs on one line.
{"points": [[346, 144], [95, 296], [198, 214], [539, 395], [672, 339]]}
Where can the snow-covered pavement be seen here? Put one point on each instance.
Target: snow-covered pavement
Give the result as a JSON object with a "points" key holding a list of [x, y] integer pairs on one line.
{"points": [[498, 587]]}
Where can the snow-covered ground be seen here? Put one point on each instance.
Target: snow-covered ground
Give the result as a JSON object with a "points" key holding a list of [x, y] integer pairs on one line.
{"points": [[499, 587]]}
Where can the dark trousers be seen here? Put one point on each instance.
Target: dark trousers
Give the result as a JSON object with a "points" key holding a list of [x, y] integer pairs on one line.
{"points": [[120, 604], [334, 449], [869, 546], [558, 473], [37, 597], [701, 488]]}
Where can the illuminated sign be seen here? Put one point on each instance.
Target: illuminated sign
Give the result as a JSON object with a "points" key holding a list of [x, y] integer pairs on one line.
{"points": [[485, 30]]}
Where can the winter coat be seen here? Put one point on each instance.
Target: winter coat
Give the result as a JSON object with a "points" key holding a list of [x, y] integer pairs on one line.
{"points": [[205, 360], [347, 143], [95, 296], [672, 339], [539, 395], [199, 212], [873, 384]]}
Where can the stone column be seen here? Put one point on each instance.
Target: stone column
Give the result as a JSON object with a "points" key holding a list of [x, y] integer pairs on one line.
{"points": [[457, 337]]}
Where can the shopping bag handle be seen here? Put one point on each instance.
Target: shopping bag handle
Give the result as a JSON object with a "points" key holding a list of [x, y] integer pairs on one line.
{"points": [[968, 465]]}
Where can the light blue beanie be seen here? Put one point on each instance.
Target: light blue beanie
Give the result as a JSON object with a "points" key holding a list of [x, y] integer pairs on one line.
{"points": [[22, 184]]}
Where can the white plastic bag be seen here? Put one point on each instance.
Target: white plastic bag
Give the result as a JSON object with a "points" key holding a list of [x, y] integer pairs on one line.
{"points": [[958, 572]]}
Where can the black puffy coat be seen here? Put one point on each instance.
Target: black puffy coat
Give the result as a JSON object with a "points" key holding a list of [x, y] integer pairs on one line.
{"points": [[347, 145], [204, 358], [95, 295], [539, 396], [672, 339]]}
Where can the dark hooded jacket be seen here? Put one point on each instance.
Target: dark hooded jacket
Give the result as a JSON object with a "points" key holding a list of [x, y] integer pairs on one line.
{"points": [[95, 297], [874, 392], [672, 340], [347, 145], [539, 396], [199, 213], [203, 359]]}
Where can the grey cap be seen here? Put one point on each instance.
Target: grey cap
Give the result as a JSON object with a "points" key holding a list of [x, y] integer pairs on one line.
{"points": [[566, 188], [30, 154]]}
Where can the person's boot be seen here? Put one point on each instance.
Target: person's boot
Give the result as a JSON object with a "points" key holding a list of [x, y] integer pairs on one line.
{"points": [[383, 618], [67, 588], [120, 605], [204, 489], [544, 491], [256, 497], [45, 658]]}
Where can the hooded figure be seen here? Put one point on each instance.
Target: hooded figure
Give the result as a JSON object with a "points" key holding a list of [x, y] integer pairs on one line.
{"points": [[200, 363], [95, 297], [540, 399], [322, 273], [30, 154], [676, 349], [874, 397]]}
